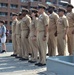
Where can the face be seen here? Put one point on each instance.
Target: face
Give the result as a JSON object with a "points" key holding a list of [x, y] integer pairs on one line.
{"points": [[50, 10], [48, 13], [40, 10], [1, 24], [20, 17], [69, 8], [61, 13], [14, 17], [33, 14], [23, 13]]}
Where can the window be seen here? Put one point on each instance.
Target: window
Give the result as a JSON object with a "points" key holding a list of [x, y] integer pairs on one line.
{"points": [[29, 0], [63, 3], [33, 7], [10, 14], [52, 1], [23, 0], [3, 5], [6, 22], [13, 6], [3, 14], [48, 0], [10, 31], [23, 6], [10, 23], [34, 0]]}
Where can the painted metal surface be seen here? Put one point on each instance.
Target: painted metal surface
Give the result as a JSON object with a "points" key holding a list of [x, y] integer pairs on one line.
{"points": [[61, 65]]}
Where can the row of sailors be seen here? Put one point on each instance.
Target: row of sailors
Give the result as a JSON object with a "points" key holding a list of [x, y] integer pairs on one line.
{"points": [[33, 33]]}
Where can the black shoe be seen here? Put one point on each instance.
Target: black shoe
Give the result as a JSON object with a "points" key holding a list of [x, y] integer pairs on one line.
{"points": [[30, 54], [40, 64], [23, 59], [3, 51], [29, 60], [32, 61], [20, 58], [13, 55], [37, 57], [37, 63], [47, 54], [17, 57]]}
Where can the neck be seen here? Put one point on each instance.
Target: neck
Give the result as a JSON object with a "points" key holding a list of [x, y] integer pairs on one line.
{"points": [[1, 25], [24, 15], [51, 12], [42, 12], [15, 19], [33, 17], [60, 15]]}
